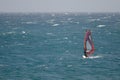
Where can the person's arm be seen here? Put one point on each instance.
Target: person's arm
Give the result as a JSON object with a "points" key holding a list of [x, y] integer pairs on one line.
{"points": [[85, 45], [85, 48]]}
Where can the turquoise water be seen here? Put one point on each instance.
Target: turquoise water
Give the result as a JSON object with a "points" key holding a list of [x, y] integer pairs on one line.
{"points": [[49, 46]]}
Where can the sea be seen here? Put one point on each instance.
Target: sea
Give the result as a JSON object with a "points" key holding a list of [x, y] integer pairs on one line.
{"points": [[49, 46]]}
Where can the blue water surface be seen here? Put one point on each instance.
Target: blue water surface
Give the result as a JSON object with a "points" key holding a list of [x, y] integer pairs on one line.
{"points": [[49, 46]]}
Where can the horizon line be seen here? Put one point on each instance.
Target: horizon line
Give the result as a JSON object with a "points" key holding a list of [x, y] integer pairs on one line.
{"points": [[63, 12]]}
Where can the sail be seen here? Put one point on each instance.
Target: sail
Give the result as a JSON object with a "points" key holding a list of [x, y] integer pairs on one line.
{"points": [[88, 43]]}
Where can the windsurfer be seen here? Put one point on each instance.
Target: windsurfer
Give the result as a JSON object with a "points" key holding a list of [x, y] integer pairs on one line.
{"points": [[88, 38]]}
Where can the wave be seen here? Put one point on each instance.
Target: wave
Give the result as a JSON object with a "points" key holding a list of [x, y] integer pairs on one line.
{"points": [[29, 22], [23, 32], [92, 57], [55, 24], [100, 26], [8, 33], [51, 21], [3, 65], [92, 20], [50, 34]]}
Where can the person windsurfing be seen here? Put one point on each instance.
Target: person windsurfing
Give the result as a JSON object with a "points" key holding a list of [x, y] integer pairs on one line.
{"points": [[88, 40]]}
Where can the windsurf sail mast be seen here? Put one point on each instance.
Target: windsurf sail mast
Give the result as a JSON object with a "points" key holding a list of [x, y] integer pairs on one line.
{"points": [[88, 44]]}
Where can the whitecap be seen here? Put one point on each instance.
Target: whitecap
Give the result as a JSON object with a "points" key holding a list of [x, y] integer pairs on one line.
{"points": [[77, 22], [55, 24], [46, 67], [23, 32], [12, 32], [100, 26], [49, 33], [92, 20], [65, 38], [7, 33], [43, 65], [69, 65], [51, 21], [92, 57], [20, 44], [29, 22]]}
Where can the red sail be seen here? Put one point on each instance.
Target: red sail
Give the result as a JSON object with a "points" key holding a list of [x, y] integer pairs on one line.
{"points": [[88, 43]]}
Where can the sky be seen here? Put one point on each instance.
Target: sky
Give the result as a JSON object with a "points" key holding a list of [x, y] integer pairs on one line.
{"points": [[59, 5]]}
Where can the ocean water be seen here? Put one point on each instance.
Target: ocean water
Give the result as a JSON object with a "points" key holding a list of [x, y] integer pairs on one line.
{"points": [[49, 46]]}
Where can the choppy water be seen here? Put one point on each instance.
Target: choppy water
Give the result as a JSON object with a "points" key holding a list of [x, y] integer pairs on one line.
{"points": [[49, 46]]}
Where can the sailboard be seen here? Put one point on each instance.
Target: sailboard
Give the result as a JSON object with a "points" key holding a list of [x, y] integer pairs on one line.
{"points": [[88, 44]]}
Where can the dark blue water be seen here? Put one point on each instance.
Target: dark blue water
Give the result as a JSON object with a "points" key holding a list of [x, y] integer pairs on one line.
{"points": [[49, 46]]}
